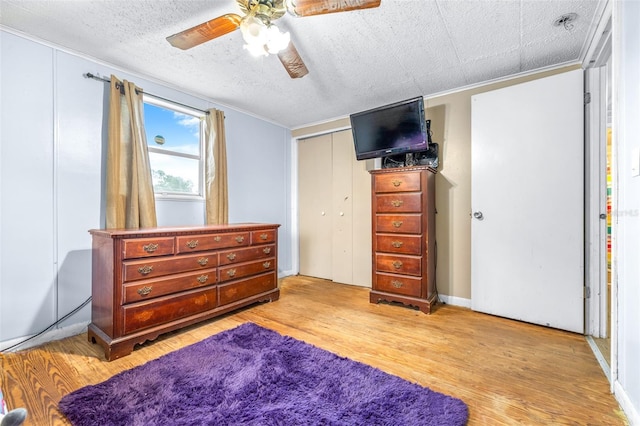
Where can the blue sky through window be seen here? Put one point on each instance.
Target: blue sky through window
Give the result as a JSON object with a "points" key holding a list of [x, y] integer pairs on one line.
{"points": [[181, 132]]}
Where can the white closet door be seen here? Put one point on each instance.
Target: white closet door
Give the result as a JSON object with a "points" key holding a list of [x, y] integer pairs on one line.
{"points": [[315, 206], [527, 232], [335, 210]]}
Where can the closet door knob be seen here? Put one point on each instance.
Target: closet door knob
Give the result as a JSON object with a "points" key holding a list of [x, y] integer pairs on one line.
{"points": [[478, 215]]}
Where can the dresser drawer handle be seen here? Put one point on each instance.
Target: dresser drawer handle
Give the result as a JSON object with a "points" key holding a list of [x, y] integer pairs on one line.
{"points": [[203, 279], [231, 256], [397, 244], [397, 203], [146, 269], [266, 250], [239, 238], [150, 248], [192, 243], [231, 272], [264, 236], [217, 238], [396, 284], [266, 264], [397, 264], [203, 261], [397, 223], [143, 291], [396, 182]]}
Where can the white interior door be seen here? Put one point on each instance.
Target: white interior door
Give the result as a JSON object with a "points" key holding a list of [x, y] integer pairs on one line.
{"points": [[527, 199]]}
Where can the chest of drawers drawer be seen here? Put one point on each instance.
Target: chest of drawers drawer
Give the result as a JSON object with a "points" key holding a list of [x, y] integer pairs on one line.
{"points": [[263, 237], [400, 284], [189, 244], [403, 224], [147, 247], [238, 290], [149, 289], [235, 271], [398, 182], [162, 310], [244, 254], [399, 264], [133, 270], [404, 244], [399, 203]]}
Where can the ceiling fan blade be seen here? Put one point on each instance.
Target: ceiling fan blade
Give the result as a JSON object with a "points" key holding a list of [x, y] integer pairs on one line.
{"points": [[321, 7], [292, 61], [206, 31]]}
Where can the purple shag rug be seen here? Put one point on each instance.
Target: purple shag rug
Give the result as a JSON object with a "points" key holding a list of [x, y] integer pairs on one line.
{"points": [[250, 375]]}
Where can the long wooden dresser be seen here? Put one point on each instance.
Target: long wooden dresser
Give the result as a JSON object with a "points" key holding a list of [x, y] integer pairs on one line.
{"points": [[403, 226], [146, 282]]}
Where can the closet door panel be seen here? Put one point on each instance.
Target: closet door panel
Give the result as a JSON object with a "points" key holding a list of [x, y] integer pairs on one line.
{"points": [[342, 252], [315, 206]]}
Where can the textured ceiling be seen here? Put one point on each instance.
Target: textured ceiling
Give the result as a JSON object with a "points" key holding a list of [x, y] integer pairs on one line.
{"points": [[357, 60]]}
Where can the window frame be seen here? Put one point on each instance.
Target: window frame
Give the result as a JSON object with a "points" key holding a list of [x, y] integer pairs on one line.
{"points": [[168, 105]]}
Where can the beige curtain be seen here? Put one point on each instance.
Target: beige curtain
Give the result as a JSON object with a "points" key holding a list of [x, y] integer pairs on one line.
{"points": [[215, 168], [130, 198]]}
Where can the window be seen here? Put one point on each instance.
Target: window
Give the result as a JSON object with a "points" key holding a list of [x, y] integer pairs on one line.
{"points": [[174, 139]]}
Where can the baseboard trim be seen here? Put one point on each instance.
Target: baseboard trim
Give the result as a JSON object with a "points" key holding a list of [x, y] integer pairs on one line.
{"points": [[627, 406], [455, 301], [49, 336]]}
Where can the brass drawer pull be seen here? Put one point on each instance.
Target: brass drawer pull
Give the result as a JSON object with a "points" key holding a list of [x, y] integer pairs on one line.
{"points": [[397, 223], [396, 284], [266, 264], [143, 291], [396, 182], [231, 272], [203, 279], [264, 236], [192, 243], [397, 264], [266, 250], [217, 238], [203, 261], [397, 244], [231, 256], [146, 269], [239, 238], [150, 248], [397, 203]]}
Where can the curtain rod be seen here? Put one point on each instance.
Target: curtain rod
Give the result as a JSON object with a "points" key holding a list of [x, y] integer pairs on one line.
{"points": [[106, 80]]}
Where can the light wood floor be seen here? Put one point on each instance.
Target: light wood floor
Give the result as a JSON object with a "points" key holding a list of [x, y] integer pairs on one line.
{"points": [[506, 371]]}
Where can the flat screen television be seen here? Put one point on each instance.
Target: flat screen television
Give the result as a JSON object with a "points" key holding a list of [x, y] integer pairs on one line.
{"points": [[393, 129]]}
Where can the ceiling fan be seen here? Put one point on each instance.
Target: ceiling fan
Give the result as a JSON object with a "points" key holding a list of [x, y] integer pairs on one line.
{"points": [[259, 32]]}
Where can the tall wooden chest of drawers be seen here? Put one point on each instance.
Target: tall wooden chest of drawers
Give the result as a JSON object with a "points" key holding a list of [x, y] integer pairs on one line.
{"points": [[149, 281], [403, 226]]}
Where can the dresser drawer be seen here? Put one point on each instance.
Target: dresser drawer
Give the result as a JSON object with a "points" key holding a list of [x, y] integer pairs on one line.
{"points": [[245, 288], [163, 310], [146, 247], [405, 244], [233, 272], [245, 254], [404, 224], [399, 264], [399, 203], [263, 237], [188, 244], [397, 182], [399, 284], [148, 289], [133, 270]]}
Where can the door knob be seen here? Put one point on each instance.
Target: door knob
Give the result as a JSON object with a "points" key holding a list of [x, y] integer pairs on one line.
{"points": [[478, 215]]}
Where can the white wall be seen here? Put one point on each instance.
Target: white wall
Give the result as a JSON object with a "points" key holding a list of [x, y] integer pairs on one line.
{"points": [[52, 156], [626, 249]]}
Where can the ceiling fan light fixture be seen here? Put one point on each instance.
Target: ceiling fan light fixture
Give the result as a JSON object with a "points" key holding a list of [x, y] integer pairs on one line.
{"points": [[254, 30], [276, 39]]}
